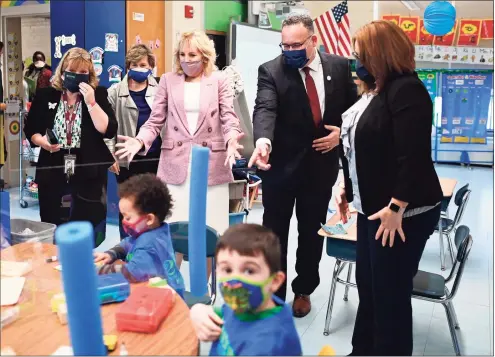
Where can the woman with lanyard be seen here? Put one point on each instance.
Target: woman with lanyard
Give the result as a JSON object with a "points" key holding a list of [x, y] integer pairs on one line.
{"points": [[132, 100], [69, 122]]}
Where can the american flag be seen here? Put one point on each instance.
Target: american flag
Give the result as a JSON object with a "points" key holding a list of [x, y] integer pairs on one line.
{"points": [[334, 29]]}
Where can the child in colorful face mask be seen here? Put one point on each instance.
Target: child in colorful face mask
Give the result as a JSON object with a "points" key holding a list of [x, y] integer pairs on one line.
{"points": [[147, 252], [253, 321]]}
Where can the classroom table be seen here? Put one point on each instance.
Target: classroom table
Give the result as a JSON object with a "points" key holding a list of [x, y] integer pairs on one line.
{"points": [[39, 332]]}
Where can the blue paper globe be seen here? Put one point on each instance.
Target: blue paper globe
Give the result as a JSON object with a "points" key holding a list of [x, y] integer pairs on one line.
{"points": [[439, 18]]}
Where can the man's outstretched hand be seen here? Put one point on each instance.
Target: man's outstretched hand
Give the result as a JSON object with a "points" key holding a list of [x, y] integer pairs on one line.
{"points": [[260, 158]]}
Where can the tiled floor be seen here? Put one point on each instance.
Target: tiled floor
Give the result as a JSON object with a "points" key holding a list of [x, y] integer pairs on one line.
{"points": [[473, 303]]}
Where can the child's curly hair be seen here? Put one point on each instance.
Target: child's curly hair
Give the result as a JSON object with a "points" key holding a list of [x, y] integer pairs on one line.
{"points": [[149, 193]]}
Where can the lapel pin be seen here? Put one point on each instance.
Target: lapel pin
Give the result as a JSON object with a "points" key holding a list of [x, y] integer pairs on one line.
{"points": [[52, 105], [329, 78]]}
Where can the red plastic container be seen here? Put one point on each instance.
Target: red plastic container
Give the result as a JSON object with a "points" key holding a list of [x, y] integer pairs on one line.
{"points": [[145, 309]]}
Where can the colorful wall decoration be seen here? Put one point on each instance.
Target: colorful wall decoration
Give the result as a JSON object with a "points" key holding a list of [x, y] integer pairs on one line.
{"points": [[465, 107], [410, 25], [470, 31], [7, 3]]}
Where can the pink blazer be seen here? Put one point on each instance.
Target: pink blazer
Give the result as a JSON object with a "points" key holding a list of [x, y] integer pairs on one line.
{"points": [[217, 124]]}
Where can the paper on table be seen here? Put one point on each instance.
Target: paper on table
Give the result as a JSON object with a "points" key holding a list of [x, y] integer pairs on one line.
{"points": [[14, 269], [339, 228], [11, 290]]}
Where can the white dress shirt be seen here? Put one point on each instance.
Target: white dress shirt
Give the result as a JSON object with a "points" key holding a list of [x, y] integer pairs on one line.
{"points": [[316, 70], [192, 92]]}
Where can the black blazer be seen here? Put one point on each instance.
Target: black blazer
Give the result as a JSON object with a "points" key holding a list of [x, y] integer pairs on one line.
{"points": [[93, 150], [282, 114], [393, 148]]}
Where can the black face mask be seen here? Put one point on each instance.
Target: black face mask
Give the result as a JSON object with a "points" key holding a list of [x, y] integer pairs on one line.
{"points": [[72, 80], [364, 75]]}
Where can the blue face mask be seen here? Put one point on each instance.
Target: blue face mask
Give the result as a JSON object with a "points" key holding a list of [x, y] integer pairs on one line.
{"points": [[363, 74], [139, 74], [295, 59], [72, 80]]}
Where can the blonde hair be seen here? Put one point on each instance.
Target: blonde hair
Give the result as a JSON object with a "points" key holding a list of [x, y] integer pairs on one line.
{"points": [[205, 47], [79, 58], [136, 53]]}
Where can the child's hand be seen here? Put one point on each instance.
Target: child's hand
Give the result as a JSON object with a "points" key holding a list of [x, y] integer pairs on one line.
{"points": [[206, 323], [103, 258]]}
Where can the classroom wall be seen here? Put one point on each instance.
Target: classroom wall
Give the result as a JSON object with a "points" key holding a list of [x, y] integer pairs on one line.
{"points": [[35, 37], [63, 22], [98, 23], [176, 23], [217, 14], [13, 76], [151, 31]]}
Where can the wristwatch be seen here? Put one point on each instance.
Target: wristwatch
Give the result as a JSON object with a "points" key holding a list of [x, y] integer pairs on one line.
{"points": [[394, 208]]}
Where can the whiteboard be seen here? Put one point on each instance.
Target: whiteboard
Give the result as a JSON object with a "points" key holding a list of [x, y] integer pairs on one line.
{"points": [[249, 47]]}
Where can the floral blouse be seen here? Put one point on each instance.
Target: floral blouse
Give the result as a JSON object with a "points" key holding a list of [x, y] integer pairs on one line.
{"points": [[60, 126]]}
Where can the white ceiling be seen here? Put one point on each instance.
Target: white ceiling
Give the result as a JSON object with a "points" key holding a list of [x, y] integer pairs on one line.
{"points": [[465, 9]]}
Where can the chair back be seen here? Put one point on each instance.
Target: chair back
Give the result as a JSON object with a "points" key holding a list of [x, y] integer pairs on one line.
{"points": [[463, 242], [461, 199], [179, 231]]}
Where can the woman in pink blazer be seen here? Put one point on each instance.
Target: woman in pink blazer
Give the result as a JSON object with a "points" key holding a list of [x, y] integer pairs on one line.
{"points": [[193, 106]]}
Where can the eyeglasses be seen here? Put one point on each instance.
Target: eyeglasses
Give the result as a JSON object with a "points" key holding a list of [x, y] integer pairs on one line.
{"points": [[294, 46], [355, 54]]}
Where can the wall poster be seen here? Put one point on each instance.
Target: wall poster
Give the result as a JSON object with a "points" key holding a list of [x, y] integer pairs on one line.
{"points": [[465, 105]]}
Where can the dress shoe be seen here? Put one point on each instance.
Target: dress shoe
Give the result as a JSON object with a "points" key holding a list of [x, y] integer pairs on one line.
{"points": [[301, 305]]}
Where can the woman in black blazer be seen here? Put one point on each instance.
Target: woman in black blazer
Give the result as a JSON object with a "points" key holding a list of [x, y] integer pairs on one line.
{"points": [[390, 178], [78, 113]]}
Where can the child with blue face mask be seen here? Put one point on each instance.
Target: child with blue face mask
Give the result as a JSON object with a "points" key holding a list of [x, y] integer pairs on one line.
{"points": [[147, 252], [253, 321]]}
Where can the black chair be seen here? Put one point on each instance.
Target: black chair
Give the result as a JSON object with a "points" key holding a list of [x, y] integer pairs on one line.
{"points": [[433, 287], [179, 232], [449, 225]]}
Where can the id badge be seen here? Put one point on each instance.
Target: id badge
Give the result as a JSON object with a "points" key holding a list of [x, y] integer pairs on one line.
{"points": [[69, 165]]}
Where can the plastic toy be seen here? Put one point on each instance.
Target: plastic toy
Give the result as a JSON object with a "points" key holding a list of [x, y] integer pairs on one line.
{"points": [[75, 242], [110, 341], [327, 351], [56, 301], [113, 288], [144, 310]]}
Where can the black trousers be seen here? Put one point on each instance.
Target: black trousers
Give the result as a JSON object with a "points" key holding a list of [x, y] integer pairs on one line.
{"points": [[311, 198], [88, 203], [384, 278], [139, 165]]}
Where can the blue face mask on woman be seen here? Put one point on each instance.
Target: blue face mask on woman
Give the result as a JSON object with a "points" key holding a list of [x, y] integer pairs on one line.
{"points": [[363, 74], [295, 59], [139, 74]]}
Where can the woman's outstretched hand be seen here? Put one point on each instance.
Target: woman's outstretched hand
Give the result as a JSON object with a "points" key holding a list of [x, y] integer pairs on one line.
{"points": [[342, 205], [128, 148], [233, 150]]}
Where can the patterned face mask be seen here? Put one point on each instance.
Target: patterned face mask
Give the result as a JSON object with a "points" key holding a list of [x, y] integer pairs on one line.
{"points": [[137, 228], [242, 295]]}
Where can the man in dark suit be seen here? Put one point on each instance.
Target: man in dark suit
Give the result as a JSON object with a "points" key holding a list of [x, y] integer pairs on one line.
{"points": [[296, 122]]}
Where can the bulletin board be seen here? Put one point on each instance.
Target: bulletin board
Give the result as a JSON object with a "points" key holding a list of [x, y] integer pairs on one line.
{"points": [[146, 24]]}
